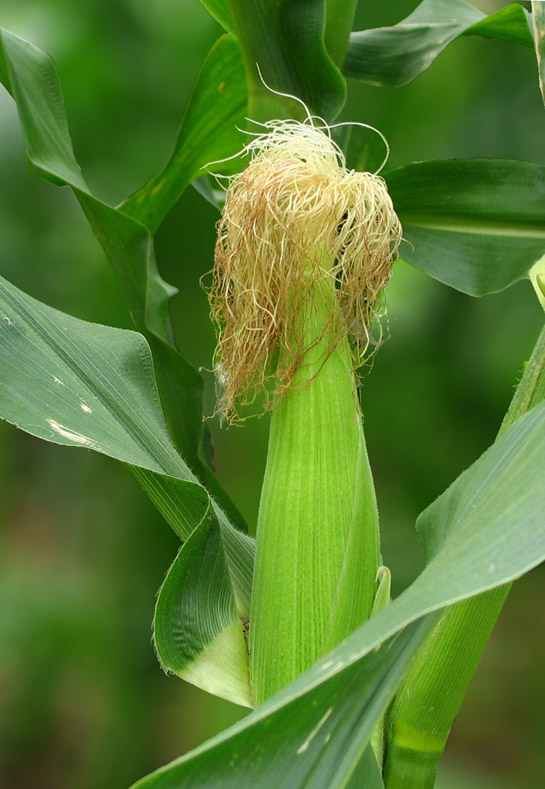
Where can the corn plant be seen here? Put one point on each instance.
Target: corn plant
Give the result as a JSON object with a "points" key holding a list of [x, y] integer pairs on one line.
{"points": [[346, 686]]}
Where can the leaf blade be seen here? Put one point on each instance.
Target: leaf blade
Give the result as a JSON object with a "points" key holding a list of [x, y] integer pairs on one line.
{"points": [[220, 10], [300, 759], [89, 386], [282, 44], [31, 77], [488, 554], [190, 637], [396, 55], [477, 225], [208, 132]]}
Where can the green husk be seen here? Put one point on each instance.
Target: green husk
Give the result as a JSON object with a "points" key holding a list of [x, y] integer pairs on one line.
{"points": [[317, 548], [304, 250]]}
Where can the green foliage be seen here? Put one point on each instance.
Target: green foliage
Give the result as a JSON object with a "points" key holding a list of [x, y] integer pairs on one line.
{"points": [[475, 540], [283, 47], [284, 739], [208, 133], [31, 76], [476, 225], [396, 55], [418, 730], [91, 386], [128, 245], [192, 636]]}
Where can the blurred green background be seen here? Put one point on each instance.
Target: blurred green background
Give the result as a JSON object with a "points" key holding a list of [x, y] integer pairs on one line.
{"points": [[83, 702]]}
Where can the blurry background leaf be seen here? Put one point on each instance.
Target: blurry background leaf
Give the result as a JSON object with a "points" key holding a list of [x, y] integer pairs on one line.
{"points": [[396, 55], [477, 225]]}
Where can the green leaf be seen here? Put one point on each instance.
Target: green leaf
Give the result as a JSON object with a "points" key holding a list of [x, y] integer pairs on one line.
{"points": [[81, 384], [488, 529], [293, 32], [367, 773], [31, 77], [284, 39], [477, 225], [425, 707], [208, 133], [85, 385], [538, 11], [286, 742], [182, 624], [512, 23], [396, 55], [338, 23], [207, 188], [221, 12], [363, 147]]}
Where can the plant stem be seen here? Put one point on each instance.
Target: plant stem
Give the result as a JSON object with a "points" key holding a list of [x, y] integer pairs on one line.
{"points": [[428, 701], [317, 548]]}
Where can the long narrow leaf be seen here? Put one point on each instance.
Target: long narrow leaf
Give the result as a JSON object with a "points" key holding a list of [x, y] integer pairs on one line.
{"points": [[221, 12], [489, 528], [397, 55], [209, 132], [30, 76], [318, 740], [477, 225], [191, 637], [426, 705], [85, 385]]}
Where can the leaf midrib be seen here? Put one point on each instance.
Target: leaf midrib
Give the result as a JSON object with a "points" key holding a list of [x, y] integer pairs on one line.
{"points": [[458, 224]]}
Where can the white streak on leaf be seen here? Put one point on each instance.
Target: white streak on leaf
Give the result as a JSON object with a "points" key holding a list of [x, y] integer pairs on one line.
{"points": [[85, 408], [302, 748], [6, 319], [77, 438]]}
